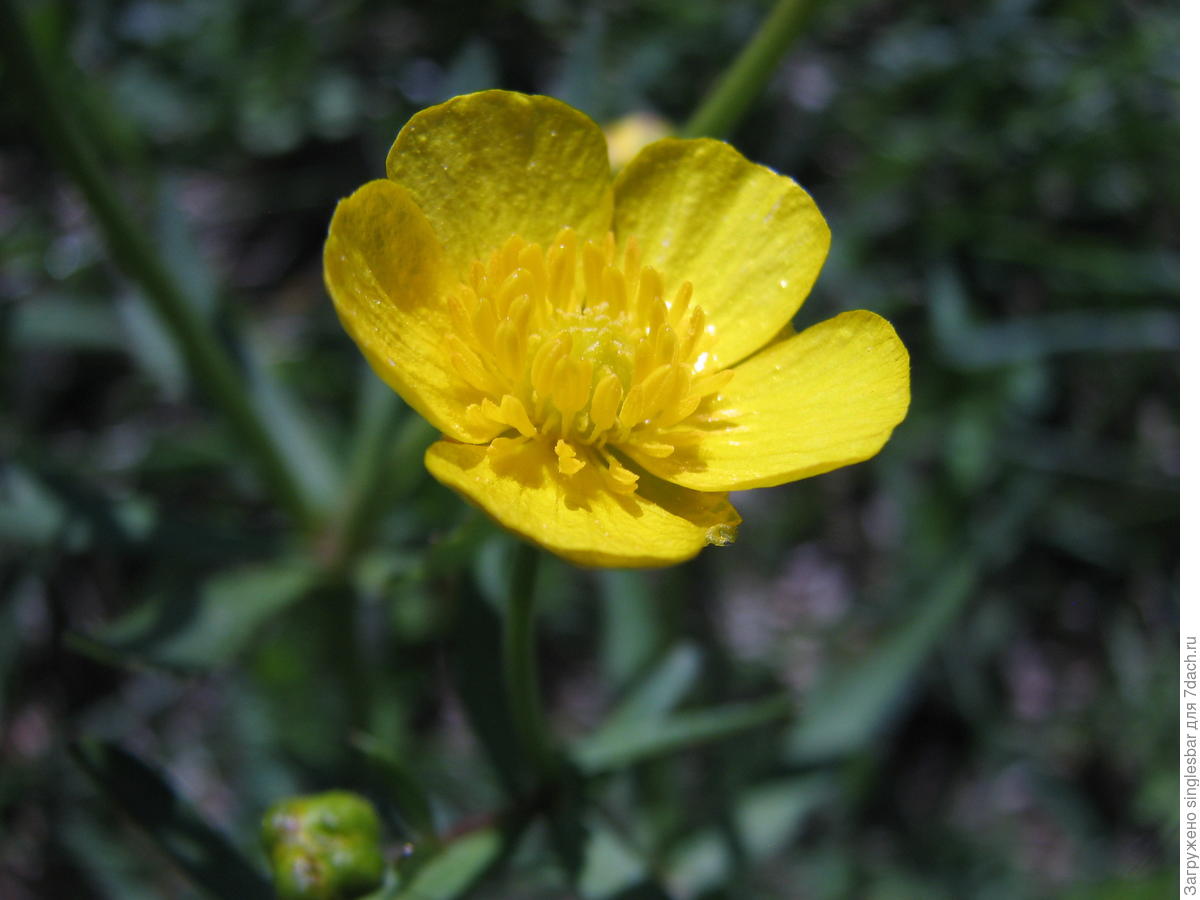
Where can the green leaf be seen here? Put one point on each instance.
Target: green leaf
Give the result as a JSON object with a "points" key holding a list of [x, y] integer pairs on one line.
{"points": [[403, 786], [1149, 886], [767, 819], [115, 866], [291, 427], [198, 849], [479, 681], [630, 741], [1094, 265], [148, 337], [633, 627], [30, 514], [967, 344], [41, 504], [209, 627], [151, 345], [404, 466], [66, 321], [565, 821], [660, 691], [846, 711], [395, 573], [366, 494], [180, 249], [460, 865], [614, 869], [610, 865]]}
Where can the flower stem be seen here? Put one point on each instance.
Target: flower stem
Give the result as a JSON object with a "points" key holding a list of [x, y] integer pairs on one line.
{"points": [[740, 84], [133, 251], [520, 664]]}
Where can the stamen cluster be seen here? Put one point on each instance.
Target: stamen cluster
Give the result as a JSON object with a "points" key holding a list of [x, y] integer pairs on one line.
{"points": [[579, 346]]}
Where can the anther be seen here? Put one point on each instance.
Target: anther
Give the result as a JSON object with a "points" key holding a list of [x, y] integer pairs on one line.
{"points": [[568, 462], [578, 346], [606, 398]]}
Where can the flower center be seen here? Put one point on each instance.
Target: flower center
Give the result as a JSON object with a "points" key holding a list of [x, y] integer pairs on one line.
{"points": [[580, 347]]}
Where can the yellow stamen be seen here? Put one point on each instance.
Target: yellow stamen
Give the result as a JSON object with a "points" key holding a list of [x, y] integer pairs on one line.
{"points": [[577, 345], [512, 412], [606, 399], [568, 462]]}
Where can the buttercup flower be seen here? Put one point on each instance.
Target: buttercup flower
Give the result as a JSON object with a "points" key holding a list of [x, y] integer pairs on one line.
{"points": [[605, 359]]}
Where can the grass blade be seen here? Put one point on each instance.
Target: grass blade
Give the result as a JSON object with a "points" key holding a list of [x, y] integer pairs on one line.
{"points": [[633, 741], [198, 849]]}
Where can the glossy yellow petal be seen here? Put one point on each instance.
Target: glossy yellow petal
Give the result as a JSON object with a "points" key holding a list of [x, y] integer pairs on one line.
{"points": [[574, 515], [750, 241], [388, 278], [486, 166], [824, 398]]}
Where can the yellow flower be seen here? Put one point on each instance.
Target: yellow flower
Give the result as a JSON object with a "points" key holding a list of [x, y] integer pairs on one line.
{"points": [[605, 359]]}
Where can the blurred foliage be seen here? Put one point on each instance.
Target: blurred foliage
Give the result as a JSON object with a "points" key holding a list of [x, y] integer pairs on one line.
{"points": [[945, 673]]}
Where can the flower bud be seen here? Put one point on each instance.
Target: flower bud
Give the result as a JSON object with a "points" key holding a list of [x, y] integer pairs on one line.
{"points": [[628, 135], [323, 846]]}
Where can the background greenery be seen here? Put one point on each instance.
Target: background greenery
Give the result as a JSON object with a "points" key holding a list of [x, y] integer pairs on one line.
{"points": [[946, 673]]}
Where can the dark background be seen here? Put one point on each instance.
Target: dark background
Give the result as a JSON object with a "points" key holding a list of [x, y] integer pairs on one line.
{"points": [[978, 627]]}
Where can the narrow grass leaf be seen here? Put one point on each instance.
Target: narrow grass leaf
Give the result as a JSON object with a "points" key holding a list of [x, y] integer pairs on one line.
{"points": [[403, 786], [198, 849], [610, 865], [844, 713], [967, 344], [457, 868], [663, 688], [208, 627], [479, 681], [151, 345], [30, 514], [65, 321], [291, 427], [117, 868], [632, 625], [634, 741], [767, 817]]}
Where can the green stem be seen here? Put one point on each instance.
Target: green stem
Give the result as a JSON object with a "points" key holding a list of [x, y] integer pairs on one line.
{"points": [[744, 79], [520, 664], [134, 252]]}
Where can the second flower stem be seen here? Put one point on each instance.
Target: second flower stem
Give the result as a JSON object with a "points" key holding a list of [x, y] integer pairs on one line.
{"points": [[741, 82], [520, 664], [134, 250]]}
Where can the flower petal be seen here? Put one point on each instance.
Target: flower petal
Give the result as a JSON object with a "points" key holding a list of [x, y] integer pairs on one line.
{"points": [[486, 166], [575, 516], [825, 398], [750, 241], [388, 278]]}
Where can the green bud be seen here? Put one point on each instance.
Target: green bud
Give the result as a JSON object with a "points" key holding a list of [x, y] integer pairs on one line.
{"points": [[323, 847]]}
